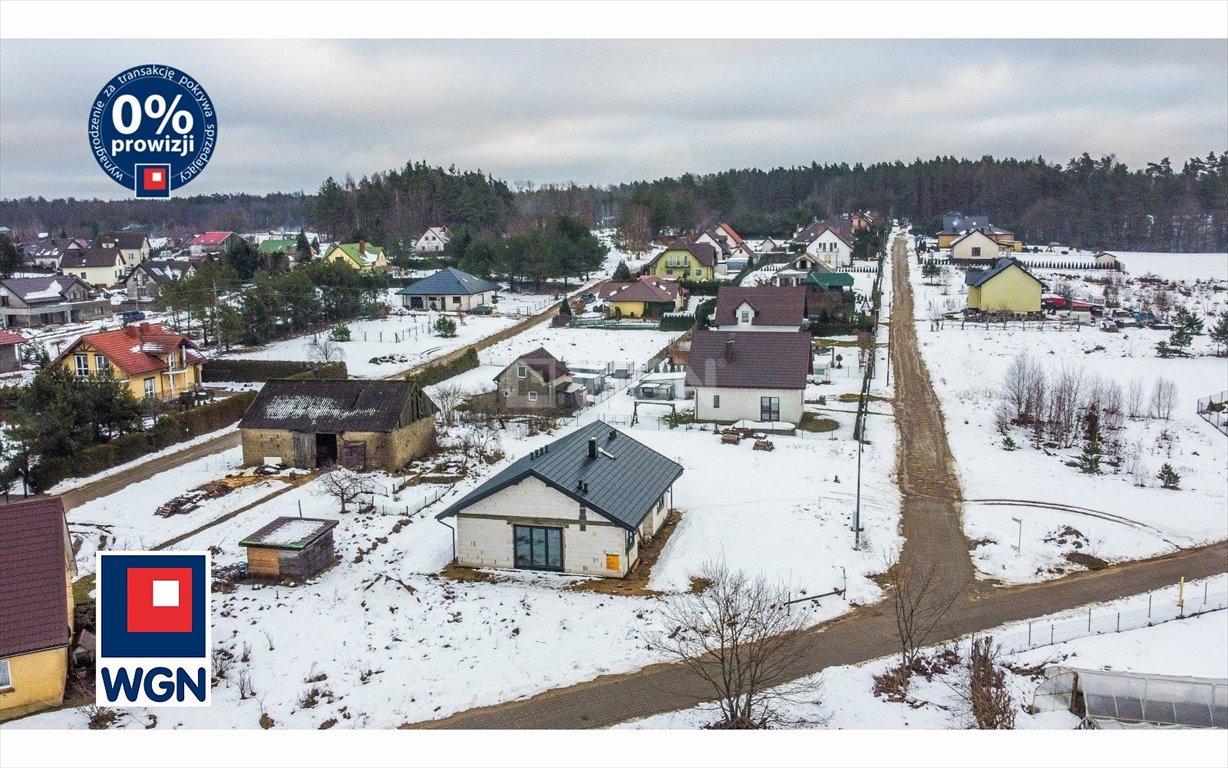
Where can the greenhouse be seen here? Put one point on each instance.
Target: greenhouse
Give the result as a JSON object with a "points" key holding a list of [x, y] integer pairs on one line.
{"points": [[1107, 699]]}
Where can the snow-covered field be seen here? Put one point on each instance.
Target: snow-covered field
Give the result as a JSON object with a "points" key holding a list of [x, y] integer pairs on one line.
{"points": [[1194, 646], [1025, 498]]}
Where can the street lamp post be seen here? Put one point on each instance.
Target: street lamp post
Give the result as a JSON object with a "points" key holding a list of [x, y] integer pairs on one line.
{"points": [[1019, 545]]}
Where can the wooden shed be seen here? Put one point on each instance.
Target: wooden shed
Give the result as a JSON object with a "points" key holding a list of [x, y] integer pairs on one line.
{"points": [[297, 547]]}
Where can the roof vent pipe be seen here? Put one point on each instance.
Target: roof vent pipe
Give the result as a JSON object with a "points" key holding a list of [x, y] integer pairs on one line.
{"points": [[592, 447], [729, 350]]}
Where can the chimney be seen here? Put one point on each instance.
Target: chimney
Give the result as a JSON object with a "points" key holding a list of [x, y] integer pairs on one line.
{"points": [[362, 247], [729, 350], [592, 447]]}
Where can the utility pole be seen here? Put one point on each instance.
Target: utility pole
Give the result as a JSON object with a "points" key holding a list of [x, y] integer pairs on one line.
{"points": [[857, 507]]}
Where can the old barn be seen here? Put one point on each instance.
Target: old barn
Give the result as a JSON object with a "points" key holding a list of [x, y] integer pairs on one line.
{"points": [[362, 425]]}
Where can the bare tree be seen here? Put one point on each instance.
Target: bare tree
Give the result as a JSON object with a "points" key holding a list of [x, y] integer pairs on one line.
{"points": [[741, 637], [1163, 399], [920, 605], [447, 396], [344, 485], [1111, 406], [1064, 401], [324, 350], [1136, 399], [482, 442], [1014, 389]]}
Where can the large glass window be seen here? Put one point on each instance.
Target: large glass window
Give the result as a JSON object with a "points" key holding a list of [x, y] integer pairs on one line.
{"points": [[769, 409], [540, 548], [101, 364], [83, 365]]}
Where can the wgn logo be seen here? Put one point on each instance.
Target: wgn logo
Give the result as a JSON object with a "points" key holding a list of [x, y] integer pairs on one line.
{"points": [[153, 629]]}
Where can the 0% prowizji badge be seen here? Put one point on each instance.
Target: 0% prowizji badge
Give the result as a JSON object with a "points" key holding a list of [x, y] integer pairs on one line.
{"points": [[152, 129]]}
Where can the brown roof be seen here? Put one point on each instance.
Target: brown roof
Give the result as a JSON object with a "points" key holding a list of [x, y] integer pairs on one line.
{"points": [[91, 257], [704, 253], [128, 241], [33, 599], [773, 305], [731, 232], [648, 288], [549, 366], [8, 337], [749, 360], [816, 228]]}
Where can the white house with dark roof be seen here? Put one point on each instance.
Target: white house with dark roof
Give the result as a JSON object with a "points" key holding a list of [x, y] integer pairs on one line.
{"points": [[758, 309], [97, 266], [756, 377], [583, 504], [449, 289], [133, 246], [434, 240], [30, 302]]}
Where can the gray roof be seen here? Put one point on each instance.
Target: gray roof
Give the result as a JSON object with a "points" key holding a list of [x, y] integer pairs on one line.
{"points": [[977, 279], [91, 257], [43, 289], [623, 488], [448, 281], [350, 405]]}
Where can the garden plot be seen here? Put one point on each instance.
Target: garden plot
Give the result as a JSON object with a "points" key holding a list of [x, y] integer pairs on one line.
{"points": [[576, 345], [388, 641], [846, 697], [401, 341], [128, 518], [1029, 513]]}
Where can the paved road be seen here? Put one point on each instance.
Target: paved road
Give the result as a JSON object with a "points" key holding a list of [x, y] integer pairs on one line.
{"points": [[935, 538]]}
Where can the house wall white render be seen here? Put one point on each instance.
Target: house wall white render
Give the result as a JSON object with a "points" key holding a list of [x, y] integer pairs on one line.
{"points": [[738, 404]]}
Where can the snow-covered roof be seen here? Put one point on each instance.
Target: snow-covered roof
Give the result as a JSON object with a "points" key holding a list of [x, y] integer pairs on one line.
{"points": [[289, 533], [336, 406]]}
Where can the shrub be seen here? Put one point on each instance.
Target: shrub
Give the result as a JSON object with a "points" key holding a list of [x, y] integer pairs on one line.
{"points": [[677, 322], [1168, 477], [340, 332], [259, 370], [445, 326], [433, 374]]}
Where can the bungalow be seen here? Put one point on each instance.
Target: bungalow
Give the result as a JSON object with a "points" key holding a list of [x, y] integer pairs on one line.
{"points": [[538, 381], [976, 246], [434, 240], [767, 245], [133, 246], [1107, 260], [1004, 287], [449, 289], [46, 254], [583, 504], [356, 423], [212, 244], [10, 355], [30, 302], [145, 282], [152, 361], [277, 253], [685, 260], [759, 309], [97, 266], [358, 255], [649, 296], [291, 547], [757, 377], [36, 605]]}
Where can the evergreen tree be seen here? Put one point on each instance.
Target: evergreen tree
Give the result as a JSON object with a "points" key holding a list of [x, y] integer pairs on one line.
{"points": [[242, 258], [302, 247], [1089, 460], [1184, 318], [1219, 334], [622, 273], [10, 257], [1168, 477], [445, 326]]}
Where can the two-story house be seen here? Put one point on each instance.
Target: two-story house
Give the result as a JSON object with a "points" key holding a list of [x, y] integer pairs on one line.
{"points": [[212, 244], [30, 302], [97, 266], [145, 281], [538, 381], [685, 261], [152, 361], [360, 255], [828, 241], [133, 246], [762, 308], [434, 240]]}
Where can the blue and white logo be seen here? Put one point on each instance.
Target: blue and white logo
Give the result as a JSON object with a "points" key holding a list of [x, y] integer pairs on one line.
{"points": [[153, 629], [152, 128]]}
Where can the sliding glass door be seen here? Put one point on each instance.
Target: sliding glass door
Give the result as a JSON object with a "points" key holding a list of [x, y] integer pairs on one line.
{"points": [[538, 548]]}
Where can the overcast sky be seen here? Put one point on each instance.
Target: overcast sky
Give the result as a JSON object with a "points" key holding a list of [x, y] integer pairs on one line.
{"points": [[291, 113]]}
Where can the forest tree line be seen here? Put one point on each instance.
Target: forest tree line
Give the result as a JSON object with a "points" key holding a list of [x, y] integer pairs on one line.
{"points": [[1089, 203]]}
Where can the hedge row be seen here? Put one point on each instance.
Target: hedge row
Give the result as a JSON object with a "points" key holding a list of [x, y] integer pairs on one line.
{"points": [[702, 287], [677, 322], [330, 371], [264, 370], [433, 374], [166, 431]]}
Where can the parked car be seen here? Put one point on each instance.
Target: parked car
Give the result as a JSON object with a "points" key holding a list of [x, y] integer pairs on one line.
{"points": [[132, 316], [481, 309], [588, 298]]}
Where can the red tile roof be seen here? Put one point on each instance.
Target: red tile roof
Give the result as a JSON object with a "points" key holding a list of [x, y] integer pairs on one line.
{"points": [[33, 599], [210, 238], [773, 305], [648, 288], [8, 337], [730, 231], [749, 360], [135, 349]]}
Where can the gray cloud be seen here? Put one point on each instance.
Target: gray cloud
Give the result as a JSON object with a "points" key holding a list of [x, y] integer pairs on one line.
{"points": [[292, 112]]}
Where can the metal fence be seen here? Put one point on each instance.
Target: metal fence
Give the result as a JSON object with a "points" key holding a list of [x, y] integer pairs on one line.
{"points": [[1218, 417], [1142, 611]]}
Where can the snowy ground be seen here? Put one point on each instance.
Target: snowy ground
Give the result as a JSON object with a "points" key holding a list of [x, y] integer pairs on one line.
{"points": [[1116, 519], [846, 699], [77, 482]]}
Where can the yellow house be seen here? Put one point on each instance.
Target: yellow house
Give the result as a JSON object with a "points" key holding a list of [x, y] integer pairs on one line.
{"points": [[685, 261], [152, 361], [36, 605], [358, 255], [1004, 287], [650, 296]]}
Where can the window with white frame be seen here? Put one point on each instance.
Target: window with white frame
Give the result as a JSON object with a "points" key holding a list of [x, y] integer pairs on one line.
{"points": [[83, 365], [6, 676], [101, 364], [521, 372], [746, 315], [716, 401], [149, 387], [532, 396]]}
